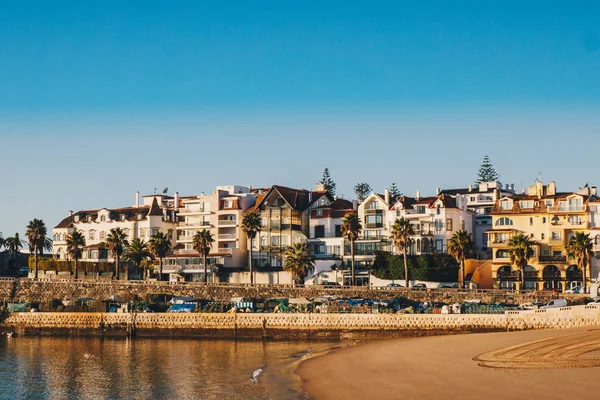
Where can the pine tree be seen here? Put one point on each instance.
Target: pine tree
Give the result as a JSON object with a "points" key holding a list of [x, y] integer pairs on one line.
{"points": [[395, 193], [487, 173], [362, 190], [328, 182]]}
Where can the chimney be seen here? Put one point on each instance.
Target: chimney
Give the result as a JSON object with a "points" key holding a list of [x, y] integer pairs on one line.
{"points": [[355, 205], [137, 199], [418, 195], [470, 188], [176, 204], [387, 196], [497, 194], [70, 213], [551, 188], [594, 191], [437, 191]]}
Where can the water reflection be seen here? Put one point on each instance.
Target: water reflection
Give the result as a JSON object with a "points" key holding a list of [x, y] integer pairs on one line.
{"points": [[93, 368]]}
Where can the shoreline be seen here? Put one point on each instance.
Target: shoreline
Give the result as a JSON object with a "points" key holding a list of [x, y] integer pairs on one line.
{"points": [[429, 366]]}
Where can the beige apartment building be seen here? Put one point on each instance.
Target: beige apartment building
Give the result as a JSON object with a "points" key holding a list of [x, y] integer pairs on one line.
{"points": [[550, 218], [220, 212]]}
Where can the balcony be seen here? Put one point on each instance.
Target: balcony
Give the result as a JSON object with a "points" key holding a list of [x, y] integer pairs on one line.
{"points": [[551, 275], [531, 274], [498, 243], [227, 222], [373, 225], [372, 211], [199, 224], [192, 211], [563, 209], [225, 250], [227, 236], [553, 259], [508, 276]]}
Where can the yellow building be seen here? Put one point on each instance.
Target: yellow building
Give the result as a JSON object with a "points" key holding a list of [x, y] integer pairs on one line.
{"points": [[550, 218]]}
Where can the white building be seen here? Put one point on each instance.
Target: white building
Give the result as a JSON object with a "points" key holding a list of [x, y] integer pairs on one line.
{"points": [[155, 214]]}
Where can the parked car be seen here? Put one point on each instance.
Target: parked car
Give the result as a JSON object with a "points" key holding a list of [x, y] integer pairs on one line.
{"points": [[394, 285], [575, 290], [24, 272], [329, 283], [419, 286], [555, 303], [448, 286]]}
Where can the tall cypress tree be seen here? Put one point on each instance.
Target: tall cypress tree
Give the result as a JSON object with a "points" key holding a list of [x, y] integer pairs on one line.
{"points": [[328, 182], [395, 193], [486, 173]]}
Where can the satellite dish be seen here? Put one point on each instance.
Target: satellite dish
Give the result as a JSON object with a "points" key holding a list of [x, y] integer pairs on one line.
{"points": [[165, 190]]}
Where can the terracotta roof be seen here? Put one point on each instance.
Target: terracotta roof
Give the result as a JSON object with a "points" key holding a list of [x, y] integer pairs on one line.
{"points": [[298, 199], [447, 201], [65, 223]]}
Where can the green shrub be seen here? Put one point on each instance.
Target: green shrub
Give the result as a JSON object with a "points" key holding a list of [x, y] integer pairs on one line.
{"points": [[429, 267]]}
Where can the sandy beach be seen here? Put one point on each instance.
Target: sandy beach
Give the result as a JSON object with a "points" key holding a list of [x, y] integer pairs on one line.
{"points": [[550, 364]]}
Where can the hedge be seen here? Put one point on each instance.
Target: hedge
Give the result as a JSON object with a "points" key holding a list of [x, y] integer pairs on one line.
{"points": [[50, 264], [436, 267]]}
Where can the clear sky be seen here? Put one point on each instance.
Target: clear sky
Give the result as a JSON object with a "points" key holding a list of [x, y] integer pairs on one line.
{"points": [[99, 99]]}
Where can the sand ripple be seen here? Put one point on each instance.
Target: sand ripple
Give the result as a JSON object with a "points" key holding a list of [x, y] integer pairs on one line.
{"points": [[581, 350]]}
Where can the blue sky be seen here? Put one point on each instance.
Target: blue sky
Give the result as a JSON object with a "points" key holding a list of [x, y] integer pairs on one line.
{"points": [[100, 99]]}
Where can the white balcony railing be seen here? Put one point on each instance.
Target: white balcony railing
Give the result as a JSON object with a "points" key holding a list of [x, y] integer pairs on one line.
{"points": [[227, 236], [226, 250], [227, 222]]}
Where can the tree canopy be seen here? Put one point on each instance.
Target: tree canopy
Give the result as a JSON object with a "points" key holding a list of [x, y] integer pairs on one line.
{"points": [[328, 182], [362, 190], [486, 173]]}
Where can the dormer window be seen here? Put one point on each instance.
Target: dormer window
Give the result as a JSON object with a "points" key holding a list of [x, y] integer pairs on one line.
{"points": [[139, 216], [319, 213], [89, 218], [76, 218], [122, 217], [438, 209], [103, 218], [527, 204], [505, 205]]}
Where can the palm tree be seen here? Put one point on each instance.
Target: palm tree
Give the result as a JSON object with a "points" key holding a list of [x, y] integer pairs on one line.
{"points": [[251, 224], [580, 248], [299, 261], [116, 242], [75, 243], [520, 248], [14, 244], [38, 240], [160, 246], [137, 252], [401, 233], [458, 247], [350, 229], [202, 243]]}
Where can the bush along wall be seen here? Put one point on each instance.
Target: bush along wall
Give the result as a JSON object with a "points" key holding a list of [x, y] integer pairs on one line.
{"points": [[50, 264], [429, 267]]}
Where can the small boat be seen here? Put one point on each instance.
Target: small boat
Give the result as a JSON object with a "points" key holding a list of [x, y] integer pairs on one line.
{"points": [[10, 334]]}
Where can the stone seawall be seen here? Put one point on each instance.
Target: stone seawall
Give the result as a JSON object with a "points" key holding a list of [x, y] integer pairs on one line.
{"points": [[25, 290], [294, 325]]}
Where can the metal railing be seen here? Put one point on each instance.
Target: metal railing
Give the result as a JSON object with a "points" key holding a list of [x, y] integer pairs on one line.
{"points": [[557, 259], [226, 236]]}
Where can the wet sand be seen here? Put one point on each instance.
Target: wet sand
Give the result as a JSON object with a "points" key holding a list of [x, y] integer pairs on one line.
{"points": [[550, 364]]}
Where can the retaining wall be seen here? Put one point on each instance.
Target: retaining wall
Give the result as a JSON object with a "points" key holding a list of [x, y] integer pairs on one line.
{"points": [[26, 290], [295, 325]]}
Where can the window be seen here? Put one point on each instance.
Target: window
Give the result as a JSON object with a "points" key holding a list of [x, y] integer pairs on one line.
{"points": [[122, 217], [548, 203], [530, 220], [338, 231], [319, 213], [320, 231], [504, 221], [102, 235], [374, 219], [154, 231], [103, 218], [139, 216], [556, 235], [557, 253], [91, 234], [89, 218], [575, 204], [420, 209], [527, 204], [438, 209], [449, 224], [502, 254], [373, 205], [544, 220], [439, 245], [575, 220], [501, 238], [438, 225], [142, 232], [462, 225], [505, 205], [543, 236], [473, 199]]}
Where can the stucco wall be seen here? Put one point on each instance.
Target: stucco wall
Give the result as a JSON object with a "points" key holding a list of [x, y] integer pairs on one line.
{"points": [[298, 325]]}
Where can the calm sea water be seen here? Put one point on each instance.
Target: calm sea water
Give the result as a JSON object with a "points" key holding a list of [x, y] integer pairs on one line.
{"points": [[94, 368]]}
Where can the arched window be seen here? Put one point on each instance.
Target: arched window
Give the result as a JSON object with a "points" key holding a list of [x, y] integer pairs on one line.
{"points": [[504, 221], [575, 220], [418, 245]]}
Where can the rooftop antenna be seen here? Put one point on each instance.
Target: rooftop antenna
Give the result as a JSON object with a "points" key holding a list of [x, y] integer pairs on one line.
{"points": [[165, 190], [154, 190], [539, 176]]}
